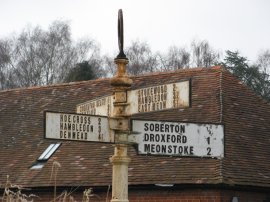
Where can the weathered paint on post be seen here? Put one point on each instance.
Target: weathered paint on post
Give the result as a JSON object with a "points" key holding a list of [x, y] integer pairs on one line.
{"points": [[119, 122]]}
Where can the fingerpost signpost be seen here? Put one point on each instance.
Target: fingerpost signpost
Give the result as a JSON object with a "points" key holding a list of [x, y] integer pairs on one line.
{"points": [[120, 83], [107, 119]]}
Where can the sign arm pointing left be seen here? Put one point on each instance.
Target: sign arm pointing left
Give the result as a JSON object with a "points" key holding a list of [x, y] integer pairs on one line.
{"points": [[77, 127]]}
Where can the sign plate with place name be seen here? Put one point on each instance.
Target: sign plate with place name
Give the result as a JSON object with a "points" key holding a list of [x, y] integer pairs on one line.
{"points": [[154, 98], [100, 106], [178, 139], [78, 127]]}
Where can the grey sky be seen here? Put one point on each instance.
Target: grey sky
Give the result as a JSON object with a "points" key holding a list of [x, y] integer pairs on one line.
{"points": [[242, 25]]}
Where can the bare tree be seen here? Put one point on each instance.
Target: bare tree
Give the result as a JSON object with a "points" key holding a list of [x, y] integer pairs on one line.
{"points": [[203, 55], [4, 59], [90, 50], [141, 59], [7, 68], [109, 65], [176, 58], [264, 61], [27, 66], [40, 57]]}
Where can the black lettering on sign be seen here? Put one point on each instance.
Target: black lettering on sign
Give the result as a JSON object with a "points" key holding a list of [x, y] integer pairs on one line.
{"points": [[157, 127], [163, 138], [152, 137], [208, 151], [184, 139], [165, 127], [170, 149], [146, 137], [191, 150], [168, 138], [147, 148], [210, 130], [180, 150], [108, 108], [185, 149], [100, 137], [153, 148], [208, 140], [173, 139], [161, 127], [158, 148], [73, 135], [174, 149], [75, 127], [163, 149], [152, 99]]}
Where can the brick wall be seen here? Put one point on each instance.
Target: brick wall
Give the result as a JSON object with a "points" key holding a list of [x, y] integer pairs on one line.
{"points": [[197, 195], [192, 195], [245, 196], [169, 195]]}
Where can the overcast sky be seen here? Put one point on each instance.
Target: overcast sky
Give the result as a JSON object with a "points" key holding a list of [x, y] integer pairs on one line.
{"points": [[242, 25]]}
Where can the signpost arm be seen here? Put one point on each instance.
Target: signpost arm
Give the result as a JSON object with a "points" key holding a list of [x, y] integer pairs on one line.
{"points": [[120, 160]]}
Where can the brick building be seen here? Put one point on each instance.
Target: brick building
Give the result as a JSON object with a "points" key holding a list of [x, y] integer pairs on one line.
{"points": [[216, 96]]}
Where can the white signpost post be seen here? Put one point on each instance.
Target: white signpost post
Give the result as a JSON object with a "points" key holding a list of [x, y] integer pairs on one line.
{"points": [[67, 126], [178, 139]]}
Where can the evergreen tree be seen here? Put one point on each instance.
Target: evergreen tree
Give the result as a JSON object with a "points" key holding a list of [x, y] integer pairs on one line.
{"points": [[81, 72], [248, 74]]}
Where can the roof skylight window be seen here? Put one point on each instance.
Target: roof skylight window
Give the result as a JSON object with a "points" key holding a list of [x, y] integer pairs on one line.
{"points": [[49, 152], [37, 165], [44, 157]]}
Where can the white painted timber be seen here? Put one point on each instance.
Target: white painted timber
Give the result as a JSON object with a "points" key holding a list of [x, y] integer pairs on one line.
{"points": [[78, 127], [154, 98], [178, 139]]}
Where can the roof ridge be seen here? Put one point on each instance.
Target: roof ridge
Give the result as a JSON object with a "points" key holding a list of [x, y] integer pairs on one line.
{"points": [[192, 69], [104, 79], [54, 85]]}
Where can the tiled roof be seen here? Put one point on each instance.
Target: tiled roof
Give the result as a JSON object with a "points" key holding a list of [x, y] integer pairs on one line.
{"points": [[217, 97]]}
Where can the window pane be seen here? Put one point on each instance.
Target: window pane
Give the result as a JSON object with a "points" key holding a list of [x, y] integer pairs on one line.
{"points": [[48, 152], [45, 152]]}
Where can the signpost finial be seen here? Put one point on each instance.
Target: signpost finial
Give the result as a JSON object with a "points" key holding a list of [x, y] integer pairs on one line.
{"points": [[121, 54], [121, 77]]}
